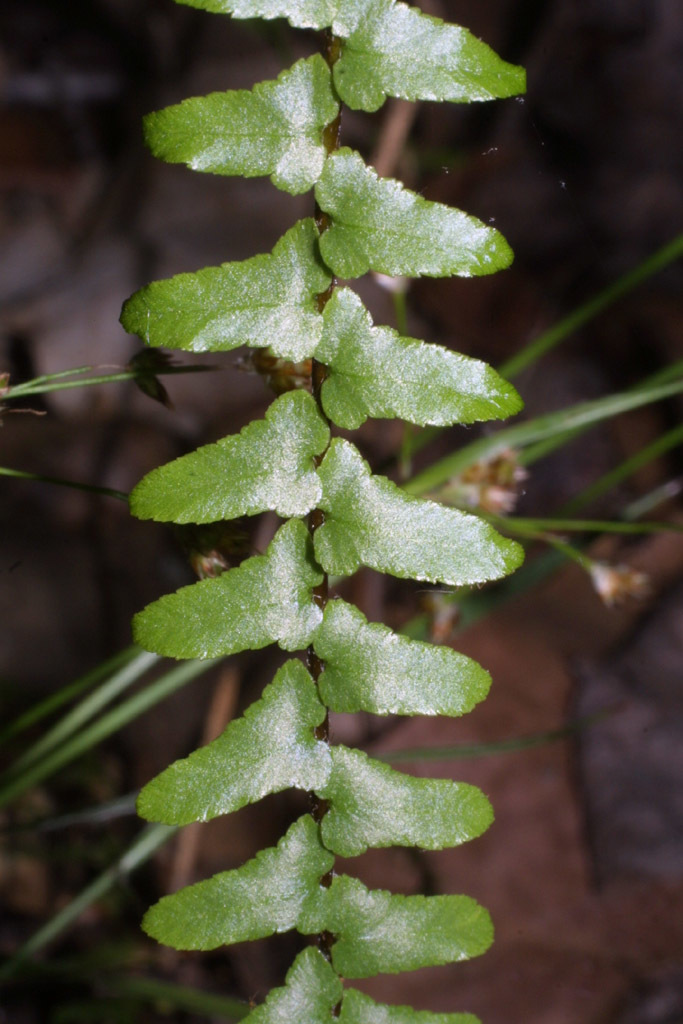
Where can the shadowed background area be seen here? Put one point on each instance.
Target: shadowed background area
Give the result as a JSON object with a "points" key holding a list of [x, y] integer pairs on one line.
{"points": [[583, 869]]}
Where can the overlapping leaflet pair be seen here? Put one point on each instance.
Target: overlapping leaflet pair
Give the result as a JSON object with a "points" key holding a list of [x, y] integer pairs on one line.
{"points": [[289, 463]]}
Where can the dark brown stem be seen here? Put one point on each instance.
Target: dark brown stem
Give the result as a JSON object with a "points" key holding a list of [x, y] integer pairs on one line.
{"points": [[331, 51]]}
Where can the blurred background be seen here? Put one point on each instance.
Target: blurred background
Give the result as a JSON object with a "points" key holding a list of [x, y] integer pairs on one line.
{"points": [[583, 869]]}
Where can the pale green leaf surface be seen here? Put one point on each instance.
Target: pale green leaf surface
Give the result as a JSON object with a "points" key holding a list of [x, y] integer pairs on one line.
{"points": [[368, 667], [396, 50], [268, 465], [377, 224], [380, 932], [274, 129], [311, 991], [370, 521], [264, 896], [268, 300], [266, 600], [357, 1008], [373, 371], [391, 49], [372, 805], [299, 13], [271, 748]]}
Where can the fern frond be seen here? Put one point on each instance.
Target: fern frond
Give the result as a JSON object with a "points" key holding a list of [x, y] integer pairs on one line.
{"points": [[288, 304]]}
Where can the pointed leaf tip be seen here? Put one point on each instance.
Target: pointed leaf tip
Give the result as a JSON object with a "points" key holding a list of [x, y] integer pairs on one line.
{"points": [[268, 599], [268, 465], [269, 300], [373, 371], [377, 224], [276, 128], [370, 521], [271, 748]]}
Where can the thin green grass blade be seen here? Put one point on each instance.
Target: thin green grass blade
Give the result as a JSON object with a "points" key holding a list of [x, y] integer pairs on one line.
{"points": [[45, 378], [540, 526], [57, 700], [120, 807], [48, 383], [664, 443], [178, 997], [646, 502], [546, 446], [108, 492], [532, 352], [103, 727], [84, 712], [138, 853], [513, 745], [548, 427]]}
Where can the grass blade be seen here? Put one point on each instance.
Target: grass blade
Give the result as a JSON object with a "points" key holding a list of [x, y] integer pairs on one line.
{"points": [[509, 746], [661, 445], [180, 997], [20, 474], [120, 807], [55, 701], [140, 851], [589, 310], [53, 381], [546, 427], [542, 526], [103, 727], [85, 711]]}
